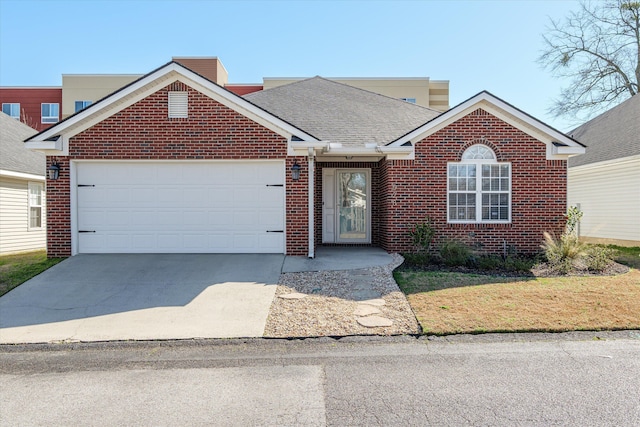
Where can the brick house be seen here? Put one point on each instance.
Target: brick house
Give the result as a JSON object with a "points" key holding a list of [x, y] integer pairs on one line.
{"points": [[175, 163]]}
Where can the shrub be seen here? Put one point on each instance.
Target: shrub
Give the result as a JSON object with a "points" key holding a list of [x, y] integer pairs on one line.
{"points": [[488, 262], [518, 264], [454, 253], [417, 259], [598, 258], [563, 253], [422, 235]]}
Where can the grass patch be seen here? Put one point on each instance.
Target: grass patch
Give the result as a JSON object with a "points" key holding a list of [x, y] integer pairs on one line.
{"points": [[17, 269], [627, 256], [450, 302]]}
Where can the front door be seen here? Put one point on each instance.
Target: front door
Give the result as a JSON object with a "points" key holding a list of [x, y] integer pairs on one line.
{"points": [[346, 206]]}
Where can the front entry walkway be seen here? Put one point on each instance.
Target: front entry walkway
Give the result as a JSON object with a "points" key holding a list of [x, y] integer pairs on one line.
{"points": [[143, 296], [336, 258]]}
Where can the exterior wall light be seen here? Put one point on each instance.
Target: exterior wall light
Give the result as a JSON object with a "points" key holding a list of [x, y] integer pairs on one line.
{"points": [[295, 171], [53, 171]]}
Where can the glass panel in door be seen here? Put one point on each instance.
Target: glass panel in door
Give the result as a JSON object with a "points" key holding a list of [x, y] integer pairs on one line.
{"points": [[352, 206]]}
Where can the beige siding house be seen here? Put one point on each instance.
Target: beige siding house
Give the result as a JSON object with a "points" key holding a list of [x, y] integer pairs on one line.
{"points": [[22, 190], [81, 90], [605, 182]]}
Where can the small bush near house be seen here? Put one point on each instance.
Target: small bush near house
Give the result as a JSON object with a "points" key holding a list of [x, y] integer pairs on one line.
{"points": [[563, 254], [488, 262], [519, 264], [422, 235], [598, 258], [454, 253], [420, 259]]}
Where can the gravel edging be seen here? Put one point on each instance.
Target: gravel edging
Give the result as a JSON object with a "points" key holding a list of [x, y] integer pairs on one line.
{"points": [[331, 298]]}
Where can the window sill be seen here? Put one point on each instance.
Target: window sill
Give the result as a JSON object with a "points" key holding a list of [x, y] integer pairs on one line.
{"points": [[479, 224]]}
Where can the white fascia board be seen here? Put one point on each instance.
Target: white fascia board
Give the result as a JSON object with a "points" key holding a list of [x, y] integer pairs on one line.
{"points": [[57, 147], [566, 150], [21, 175], [301, 148], [151, 83], [485, 100], [398, 153]]}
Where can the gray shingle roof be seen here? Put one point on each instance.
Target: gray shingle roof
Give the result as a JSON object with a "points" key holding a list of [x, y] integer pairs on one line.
{"points": [[13, 156], [337, 112], [612, 135]]}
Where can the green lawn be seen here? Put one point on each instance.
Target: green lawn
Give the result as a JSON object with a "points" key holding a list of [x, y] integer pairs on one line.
{"points": [[17, 269], [451, 302]]}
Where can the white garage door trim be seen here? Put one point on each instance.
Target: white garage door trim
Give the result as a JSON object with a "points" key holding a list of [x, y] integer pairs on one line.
{"points": [[243, 174]]}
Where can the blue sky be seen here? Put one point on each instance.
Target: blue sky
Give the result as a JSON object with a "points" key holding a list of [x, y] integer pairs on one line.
{"points": [[477, 45]]}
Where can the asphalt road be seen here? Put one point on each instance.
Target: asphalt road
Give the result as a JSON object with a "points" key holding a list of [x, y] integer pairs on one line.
{"points": [[581, 379]]}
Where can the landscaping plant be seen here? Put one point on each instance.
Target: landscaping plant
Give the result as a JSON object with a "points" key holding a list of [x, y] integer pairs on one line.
{"points": [[422, 235], [454, 253]]}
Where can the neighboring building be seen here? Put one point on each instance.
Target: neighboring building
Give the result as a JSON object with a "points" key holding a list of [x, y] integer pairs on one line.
{"points": [[81, 90], [175, 163], [37, 107], [42, 107], [433, 94], [22, 190], [605, 182]]}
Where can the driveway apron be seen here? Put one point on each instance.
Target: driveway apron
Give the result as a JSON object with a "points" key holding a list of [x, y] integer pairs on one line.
{"points": [[143, 296]]}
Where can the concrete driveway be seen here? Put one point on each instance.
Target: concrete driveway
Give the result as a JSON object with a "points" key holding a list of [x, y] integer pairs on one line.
{"points": [[143, 296]]}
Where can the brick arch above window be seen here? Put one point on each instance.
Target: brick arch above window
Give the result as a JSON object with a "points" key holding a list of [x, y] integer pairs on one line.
{"points": [[481, 141]]}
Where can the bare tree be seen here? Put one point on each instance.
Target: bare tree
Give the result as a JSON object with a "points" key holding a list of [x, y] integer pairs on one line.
{"points": [[28, 120], [598, 49]]}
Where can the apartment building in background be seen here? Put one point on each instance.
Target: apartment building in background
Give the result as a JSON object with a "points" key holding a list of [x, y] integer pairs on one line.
{"points": [[37, 107], [41, 107]]}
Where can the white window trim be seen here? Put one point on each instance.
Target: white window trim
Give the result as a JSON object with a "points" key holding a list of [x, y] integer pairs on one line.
{"points": [[29, 205], [478, 191], [11, 109], [48, 119]]}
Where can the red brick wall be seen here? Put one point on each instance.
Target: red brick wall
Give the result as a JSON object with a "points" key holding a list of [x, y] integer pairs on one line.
{"points": [[30, 100], [413, 190], [143, 131]]}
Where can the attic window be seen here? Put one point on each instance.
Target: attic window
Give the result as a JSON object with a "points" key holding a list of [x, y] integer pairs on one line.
{"points": [[178, 105]]}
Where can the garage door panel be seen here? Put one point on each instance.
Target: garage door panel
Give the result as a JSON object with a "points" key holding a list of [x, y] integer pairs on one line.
{"points": [[181, 207], [88, 219], [221, 195], [144, 196]]}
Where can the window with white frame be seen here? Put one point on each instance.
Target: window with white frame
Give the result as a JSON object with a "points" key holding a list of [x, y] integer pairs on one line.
{"points": [[50, 113], [479, 188], [35, 205], [81, 105], [12, 109]]}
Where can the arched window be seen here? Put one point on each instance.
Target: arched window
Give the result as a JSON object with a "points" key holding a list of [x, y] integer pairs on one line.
{"points": [[479, 188]]}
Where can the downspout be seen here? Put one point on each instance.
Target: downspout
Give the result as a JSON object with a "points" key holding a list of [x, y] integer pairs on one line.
{"points": [[311, 165]]}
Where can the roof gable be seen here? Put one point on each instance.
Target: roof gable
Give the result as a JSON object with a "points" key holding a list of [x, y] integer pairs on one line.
{"points": [[558, 144], [56, 137], [339, 113], [612, 135]]}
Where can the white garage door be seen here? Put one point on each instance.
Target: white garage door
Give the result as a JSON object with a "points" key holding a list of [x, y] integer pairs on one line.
{"points": [[181, 207]]}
